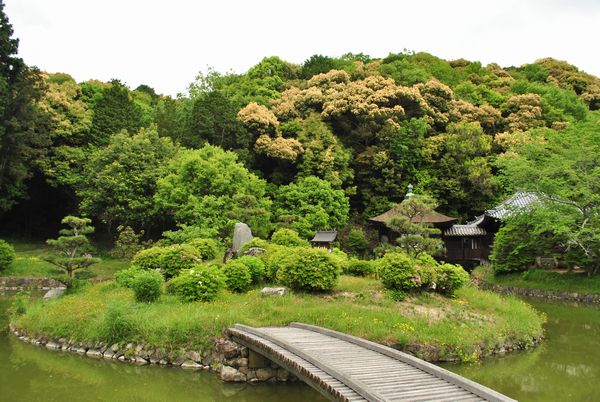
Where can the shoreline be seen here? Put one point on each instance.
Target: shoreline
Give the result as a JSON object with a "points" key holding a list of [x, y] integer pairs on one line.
{"points": [[548, 294]]}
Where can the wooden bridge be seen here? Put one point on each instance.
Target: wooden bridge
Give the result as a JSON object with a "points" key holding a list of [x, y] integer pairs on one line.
{"points": [[346, 368]]}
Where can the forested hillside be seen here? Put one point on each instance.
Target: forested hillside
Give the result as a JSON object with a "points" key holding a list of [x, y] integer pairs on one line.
{"points": [[331, 141]]}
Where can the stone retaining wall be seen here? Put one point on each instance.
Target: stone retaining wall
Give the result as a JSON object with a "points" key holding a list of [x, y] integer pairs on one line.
{"points": [[231, 361], [17, 283], [562, 295]]}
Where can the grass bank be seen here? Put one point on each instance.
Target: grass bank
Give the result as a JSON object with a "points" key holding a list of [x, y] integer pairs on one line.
{"points": [[467, 327], [576, 281], [29, 262]]}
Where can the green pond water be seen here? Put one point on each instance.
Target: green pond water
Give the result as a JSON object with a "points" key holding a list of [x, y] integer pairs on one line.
{"points": [[565, 367], [31, 373]]}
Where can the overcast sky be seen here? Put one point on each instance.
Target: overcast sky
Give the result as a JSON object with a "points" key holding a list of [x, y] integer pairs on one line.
{"points": [[165, 43]]}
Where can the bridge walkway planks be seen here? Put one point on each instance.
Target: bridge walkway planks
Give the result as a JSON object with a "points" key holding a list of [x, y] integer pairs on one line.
{"points": [[346, 368]]}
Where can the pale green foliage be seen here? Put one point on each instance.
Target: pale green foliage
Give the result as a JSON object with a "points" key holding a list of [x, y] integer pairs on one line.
{"points": [[71, 248], [178, 257], [237, 276], [398, 271], [120, 179], [450, 278], [125, 277], [288, 237], [7, 255], [202, 282], [310, 205], [255, 265], [311, 269], [208, 188], [358, 267], [206, 248]]}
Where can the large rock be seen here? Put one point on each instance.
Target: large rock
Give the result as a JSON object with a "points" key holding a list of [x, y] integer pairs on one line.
{"points": [[54, 293], [229, 374], [241, 235], [273, 291]]}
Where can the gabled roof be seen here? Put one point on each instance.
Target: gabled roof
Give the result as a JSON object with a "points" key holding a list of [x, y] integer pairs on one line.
{"points": [[431, 217], [325, 236], [521, 201], [465, 230]]}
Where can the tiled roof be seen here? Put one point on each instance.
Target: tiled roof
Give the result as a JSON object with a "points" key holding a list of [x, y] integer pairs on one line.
{"points": [[465, 230], [518, 202], [325, 236], [432, 217]]}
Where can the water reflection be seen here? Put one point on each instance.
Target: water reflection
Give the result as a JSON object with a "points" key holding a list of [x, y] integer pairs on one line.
{"points": [[566, 366], [30, 373]]}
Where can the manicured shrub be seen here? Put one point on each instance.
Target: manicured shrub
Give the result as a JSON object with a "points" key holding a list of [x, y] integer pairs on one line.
{"points": [[289, 238], [178, 257], [202, 282], [125, 276], [237, 276], [272, 257], [309, 268], [148, 259], [256, 267], [398, 271], [206, 248], [147, 286], [450, 278], [7, 255], [426, 267], [359, 267]]}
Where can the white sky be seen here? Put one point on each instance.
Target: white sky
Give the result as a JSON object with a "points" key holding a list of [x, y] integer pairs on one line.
{"points": [[165, 43]]}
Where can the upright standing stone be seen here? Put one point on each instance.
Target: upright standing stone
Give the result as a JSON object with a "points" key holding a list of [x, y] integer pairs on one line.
{"points": [[241, 235]]}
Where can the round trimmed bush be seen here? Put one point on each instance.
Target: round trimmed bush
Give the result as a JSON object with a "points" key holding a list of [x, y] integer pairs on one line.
{"points": [[427, 269], [148, 259], [147, 286], [359, 267], [342, 258], [125, 277], [256, 267], [206, 248], [398, 271], [450, 278], [289, 238], [310, 269], [237, 276], [202, 282], [7, 255]]}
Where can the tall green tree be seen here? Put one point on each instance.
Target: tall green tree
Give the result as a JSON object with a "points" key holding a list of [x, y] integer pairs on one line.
{"points": [[210, 189], [23, 135], [563, 168], [120, 180], [113, 112], [311, 204]]}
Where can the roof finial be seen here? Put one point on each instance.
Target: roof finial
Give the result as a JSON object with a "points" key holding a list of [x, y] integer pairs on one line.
{"points": [[409, 192]]}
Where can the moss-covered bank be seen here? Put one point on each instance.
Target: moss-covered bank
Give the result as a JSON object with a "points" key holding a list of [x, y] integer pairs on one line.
{"points": [[472, 325]]}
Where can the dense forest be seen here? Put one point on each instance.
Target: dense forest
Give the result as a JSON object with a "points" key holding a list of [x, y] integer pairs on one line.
{"points": [[324, 144]]}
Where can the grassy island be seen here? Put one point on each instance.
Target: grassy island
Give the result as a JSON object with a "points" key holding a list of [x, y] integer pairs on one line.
{"points": [[466, 327]]}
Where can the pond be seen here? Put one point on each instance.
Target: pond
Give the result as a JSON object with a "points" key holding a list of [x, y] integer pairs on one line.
{"points": [[565, 367], [30, 373]]}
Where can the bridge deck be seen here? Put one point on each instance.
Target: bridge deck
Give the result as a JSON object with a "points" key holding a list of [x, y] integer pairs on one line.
{"points": [[347, 368]]}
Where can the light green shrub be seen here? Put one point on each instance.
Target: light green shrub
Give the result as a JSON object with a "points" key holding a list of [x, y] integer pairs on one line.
{"points": [[148, 259], [256, 267], [147, 286], [206, 248], [450, 278], [289, 238], [309, 268], [178, 257], [398, 271], [7, 255], [342, 259], [237, 276], [201, 282], [359, 267], [125, 277]]}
